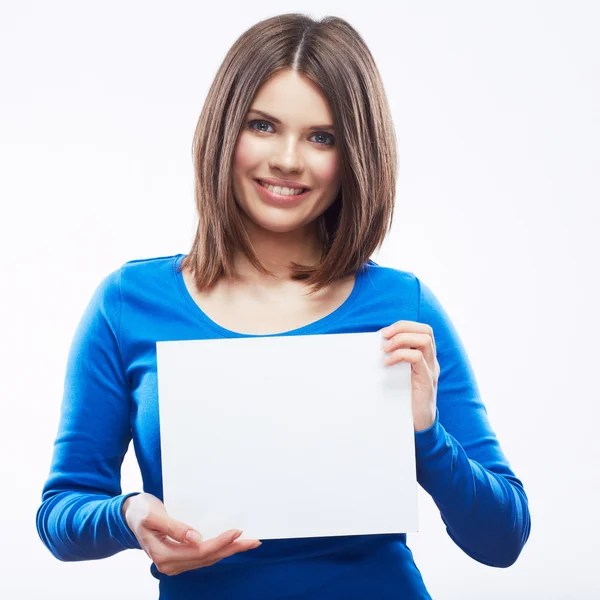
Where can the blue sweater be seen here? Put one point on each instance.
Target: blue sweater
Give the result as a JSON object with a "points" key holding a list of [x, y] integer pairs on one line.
{"points": [[110, 398]]}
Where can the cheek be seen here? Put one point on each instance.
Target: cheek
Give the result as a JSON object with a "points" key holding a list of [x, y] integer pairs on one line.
{"points": [[247, 153], [327, 170]]}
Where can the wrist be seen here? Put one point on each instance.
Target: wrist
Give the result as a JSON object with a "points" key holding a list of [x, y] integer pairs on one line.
{"points": [[125, 506], [423, 423]]}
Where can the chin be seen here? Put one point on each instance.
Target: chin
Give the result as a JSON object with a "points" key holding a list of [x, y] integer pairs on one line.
{"points": [[283, 225]]}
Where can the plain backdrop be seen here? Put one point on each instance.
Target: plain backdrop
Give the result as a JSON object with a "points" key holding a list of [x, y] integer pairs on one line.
{"points": [[496, 108]]}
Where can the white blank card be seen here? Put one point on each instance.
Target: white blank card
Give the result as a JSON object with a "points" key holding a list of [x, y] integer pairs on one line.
{"points": [[287, 436]]}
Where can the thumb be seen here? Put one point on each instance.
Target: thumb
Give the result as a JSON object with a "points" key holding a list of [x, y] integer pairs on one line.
{"points": [[183, 533]]}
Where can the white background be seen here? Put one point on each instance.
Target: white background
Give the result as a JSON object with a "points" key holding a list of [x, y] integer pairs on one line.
{"points": [[496, 108]]}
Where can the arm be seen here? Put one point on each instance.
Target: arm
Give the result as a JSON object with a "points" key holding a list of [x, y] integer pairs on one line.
{"points": [[459, 460], [80, 517]]}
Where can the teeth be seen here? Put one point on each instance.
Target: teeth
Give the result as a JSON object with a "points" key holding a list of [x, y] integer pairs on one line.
{"points": [[284, 191]]}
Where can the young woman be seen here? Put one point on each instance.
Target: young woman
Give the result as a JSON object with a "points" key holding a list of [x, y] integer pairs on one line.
{"points": [[295, 164]]}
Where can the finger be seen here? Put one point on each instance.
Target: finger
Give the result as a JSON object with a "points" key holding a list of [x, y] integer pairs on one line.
{"points": [[408, 327], [406, 340], [418, 363], [219, 543], [414, 357], [179, 564], [175, 552], [182, 533], [164, 551], [414, 341], [405, 326]]}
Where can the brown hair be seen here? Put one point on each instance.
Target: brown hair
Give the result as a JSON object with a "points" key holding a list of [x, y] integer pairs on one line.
{"points": [[333, 55]]}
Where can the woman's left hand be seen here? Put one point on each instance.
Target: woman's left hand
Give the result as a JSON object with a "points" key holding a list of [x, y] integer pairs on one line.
{"points": [[414, 343]]}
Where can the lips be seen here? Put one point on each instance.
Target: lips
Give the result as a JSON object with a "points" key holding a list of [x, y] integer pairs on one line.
{"points": [[293, 186], [280, 199]]}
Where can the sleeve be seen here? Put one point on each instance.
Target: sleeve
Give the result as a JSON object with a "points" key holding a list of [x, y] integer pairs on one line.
{"points": [[459, 459], [80, 514]]}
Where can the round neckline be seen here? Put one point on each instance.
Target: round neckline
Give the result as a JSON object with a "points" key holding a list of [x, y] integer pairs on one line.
{"points": [[224, 332]]}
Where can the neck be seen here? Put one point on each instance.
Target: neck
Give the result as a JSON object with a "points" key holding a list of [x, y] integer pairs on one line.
{"points": [[276, 251]]}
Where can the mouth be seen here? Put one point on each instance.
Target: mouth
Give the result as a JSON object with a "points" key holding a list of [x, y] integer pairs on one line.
{"points": [[284, 190], [287, 195]]}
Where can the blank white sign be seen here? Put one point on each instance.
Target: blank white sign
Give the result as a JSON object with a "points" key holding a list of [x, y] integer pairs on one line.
{"points": [[287, 436]]}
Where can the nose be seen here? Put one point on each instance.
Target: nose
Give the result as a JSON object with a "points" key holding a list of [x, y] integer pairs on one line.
{"points": [[287, 156]]}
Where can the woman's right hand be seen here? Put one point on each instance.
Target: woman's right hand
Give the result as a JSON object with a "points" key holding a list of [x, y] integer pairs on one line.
{"points": [[173, 546]]}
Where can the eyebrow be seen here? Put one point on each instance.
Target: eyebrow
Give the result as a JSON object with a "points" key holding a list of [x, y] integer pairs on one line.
{"points": [[276, 120]]}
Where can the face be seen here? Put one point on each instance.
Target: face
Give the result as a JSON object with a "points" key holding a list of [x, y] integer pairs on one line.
{"points": [[287, 135]]}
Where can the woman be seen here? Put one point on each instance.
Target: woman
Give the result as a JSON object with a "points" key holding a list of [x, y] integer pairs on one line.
{"points": [[295, 164]]}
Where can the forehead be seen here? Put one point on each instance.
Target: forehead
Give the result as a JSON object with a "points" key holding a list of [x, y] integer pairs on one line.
{"points": [[292, 97]]}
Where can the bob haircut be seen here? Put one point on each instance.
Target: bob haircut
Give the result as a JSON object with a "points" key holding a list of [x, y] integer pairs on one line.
{"points": [[333, 55]]}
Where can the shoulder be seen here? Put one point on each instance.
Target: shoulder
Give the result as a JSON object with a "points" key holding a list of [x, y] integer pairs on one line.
{"points": [[390, 274], [404, 286], [133, 278], [143, 272], [390, 280], [141, 266]]}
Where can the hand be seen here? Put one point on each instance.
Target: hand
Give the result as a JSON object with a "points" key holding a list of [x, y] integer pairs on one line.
{"points": [[173, 546], [414, 343]]}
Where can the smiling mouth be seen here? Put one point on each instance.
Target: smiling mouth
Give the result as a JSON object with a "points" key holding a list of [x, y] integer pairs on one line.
{"points": [[285, 191], [280, 199]]}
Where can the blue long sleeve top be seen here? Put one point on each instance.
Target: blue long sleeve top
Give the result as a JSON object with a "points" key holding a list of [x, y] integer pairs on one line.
{"points": [[110, 398]]}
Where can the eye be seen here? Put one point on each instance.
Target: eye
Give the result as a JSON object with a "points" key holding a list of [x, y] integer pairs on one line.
{"points": [[257, 125], [252, 123], [327, 136]]}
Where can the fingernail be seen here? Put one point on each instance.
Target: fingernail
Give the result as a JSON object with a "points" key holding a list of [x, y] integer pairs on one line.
{"points": [[255, 545], [237, 534], [193, 536]]}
